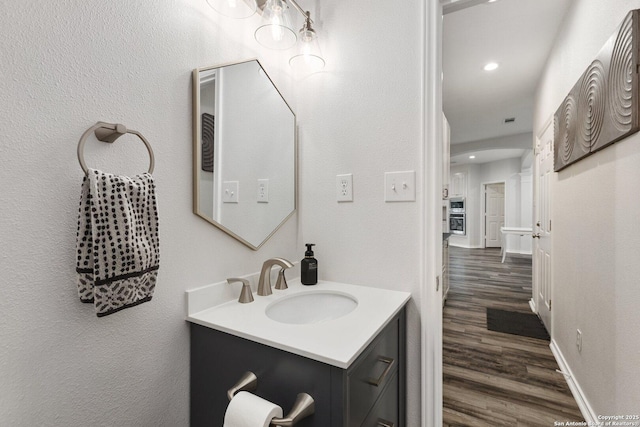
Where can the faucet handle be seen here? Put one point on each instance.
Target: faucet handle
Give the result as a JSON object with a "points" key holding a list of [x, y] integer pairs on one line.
{"points": [[245, 295], [281, 283]]}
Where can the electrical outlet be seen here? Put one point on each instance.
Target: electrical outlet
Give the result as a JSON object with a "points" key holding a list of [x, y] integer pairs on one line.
{"points": [[344, 187], [263, 191], [579, 340]]}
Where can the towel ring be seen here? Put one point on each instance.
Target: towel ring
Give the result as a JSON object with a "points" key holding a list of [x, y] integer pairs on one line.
{"points": [[109, 132]]}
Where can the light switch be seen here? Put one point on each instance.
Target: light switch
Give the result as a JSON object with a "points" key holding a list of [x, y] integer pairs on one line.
{"points": [[263, 191], [400, 186], [230, 191]]}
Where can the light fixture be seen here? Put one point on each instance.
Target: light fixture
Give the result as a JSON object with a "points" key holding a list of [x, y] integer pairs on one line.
{"points": [[308, 59], [491, 66], [472, 157], [234, 8], [275, 31]]}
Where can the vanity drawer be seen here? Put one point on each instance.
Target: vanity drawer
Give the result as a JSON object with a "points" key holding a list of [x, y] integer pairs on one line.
{"points": [[372, 372], [386, 411]]}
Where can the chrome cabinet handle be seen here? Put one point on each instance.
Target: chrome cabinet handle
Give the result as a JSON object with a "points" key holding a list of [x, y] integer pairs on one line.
{"points": [[389, 362], [385, 423]]}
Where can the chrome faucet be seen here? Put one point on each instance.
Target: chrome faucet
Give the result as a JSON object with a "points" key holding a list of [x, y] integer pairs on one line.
{"points": [[264, 283]]}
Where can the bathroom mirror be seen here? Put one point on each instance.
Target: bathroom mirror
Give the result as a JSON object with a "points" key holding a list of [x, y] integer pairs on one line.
{"points": [[244, 152]]}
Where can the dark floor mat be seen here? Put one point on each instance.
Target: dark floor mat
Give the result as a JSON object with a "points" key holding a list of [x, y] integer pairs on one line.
{"points": [[513, 322]]}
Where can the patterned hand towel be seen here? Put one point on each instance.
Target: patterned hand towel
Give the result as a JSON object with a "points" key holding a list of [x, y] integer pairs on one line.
{"points": [[117, 243]]}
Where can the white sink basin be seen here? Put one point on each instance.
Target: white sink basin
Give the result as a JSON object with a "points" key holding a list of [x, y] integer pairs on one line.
{"points": [[311, 307]]}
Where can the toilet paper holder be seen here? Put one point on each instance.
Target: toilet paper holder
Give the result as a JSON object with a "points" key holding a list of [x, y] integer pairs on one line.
{"points": [[302, 408]]}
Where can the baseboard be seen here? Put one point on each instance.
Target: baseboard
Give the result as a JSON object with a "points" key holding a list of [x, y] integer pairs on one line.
{"points": [[460, 245], [585, 408], [533, 306]]}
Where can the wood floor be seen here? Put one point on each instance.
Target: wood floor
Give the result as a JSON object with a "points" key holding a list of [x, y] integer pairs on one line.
{"points": [[492, 378]]}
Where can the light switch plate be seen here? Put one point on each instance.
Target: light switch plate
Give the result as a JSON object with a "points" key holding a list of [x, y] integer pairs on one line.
{"points": [[400, 186], [263, 191], [230, 191], [344, 187]]}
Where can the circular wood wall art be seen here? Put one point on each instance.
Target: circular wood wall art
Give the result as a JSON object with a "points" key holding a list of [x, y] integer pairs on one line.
{"points": [[591, 105], [566, 120], [620, 78]]}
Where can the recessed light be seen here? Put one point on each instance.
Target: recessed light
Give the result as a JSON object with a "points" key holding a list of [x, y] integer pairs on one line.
{"points": [[491, 66], [472, 157], [491, 1]]}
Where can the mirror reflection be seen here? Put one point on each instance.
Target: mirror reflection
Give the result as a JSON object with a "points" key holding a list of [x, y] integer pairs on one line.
{"points": [[244, 152]]}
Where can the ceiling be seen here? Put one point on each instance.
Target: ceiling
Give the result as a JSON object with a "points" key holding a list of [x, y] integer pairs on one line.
{"points": [[518, 35], [487, 156]]}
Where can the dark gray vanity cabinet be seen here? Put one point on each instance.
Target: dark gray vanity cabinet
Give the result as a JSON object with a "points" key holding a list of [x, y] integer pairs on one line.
{"points": [[370, 393]]}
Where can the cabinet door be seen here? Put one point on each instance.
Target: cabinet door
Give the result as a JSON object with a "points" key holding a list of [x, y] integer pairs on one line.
{"points": [[385, 413], [459, 184], [374, 371], [218, 360], [446, 156]]}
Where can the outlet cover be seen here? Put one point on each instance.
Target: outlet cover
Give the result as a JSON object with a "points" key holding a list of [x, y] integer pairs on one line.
{"points": [[230, 191], [579, 340], [400, 186], [263, 191], [344, 187]]}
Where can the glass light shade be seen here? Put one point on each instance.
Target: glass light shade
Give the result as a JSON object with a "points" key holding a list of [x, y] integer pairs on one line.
{"points": [[234, 8], [275, 31], [309, 57]]}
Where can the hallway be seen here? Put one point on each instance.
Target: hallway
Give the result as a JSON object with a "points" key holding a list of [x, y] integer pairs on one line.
{"points": [[492, 378]]}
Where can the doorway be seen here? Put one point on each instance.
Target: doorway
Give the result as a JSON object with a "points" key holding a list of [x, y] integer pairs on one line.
{"points": [[493, 214], [542, 265]]}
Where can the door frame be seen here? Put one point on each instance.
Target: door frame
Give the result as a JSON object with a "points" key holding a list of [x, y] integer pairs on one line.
{"points": [[483, 209], [430, 257], [535, 282]]}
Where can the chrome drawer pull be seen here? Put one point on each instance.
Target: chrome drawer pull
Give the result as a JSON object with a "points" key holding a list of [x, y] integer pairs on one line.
{"points": [[389, 362], [385, 423]]}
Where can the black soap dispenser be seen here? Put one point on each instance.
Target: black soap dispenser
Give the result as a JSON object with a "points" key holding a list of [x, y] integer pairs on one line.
{"points": [[309, 267]]}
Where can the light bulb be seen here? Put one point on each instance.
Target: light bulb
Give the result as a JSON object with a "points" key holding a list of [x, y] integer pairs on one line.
{"points": [[309, 57], [275, 30]]}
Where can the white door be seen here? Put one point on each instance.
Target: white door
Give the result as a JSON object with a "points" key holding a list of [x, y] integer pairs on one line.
{"points": [[494, 214], [542, 278]]}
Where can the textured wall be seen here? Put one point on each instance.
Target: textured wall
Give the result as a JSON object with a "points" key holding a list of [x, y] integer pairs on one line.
{"points": [[66, 65], [595, 239], [362, 116], [478, 175]]}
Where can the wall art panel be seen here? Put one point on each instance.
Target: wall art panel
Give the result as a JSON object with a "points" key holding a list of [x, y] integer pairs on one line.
{"points": [[603, 106]]}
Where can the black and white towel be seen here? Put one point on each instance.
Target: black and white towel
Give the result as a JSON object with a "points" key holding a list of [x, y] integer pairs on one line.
{"points": [[117, 243]]}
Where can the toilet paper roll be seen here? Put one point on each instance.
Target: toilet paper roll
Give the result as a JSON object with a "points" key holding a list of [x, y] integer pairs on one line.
{"points": [[249, 410]]}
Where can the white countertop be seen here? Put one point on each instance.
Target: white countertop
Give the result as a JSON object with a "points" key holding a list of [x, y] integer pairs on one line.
{"points": [[336, 342]]}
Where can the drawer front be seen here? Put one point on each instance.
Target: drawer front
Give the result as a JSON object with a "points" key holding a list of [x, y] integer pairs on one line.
{"points": [[385, 412], [372, 372]]}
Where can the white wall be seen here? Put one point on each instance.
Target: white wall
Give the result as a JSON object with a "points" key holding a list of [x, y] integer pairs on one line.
{"points": [[66, 66], [517, 191], [595, 236], [363, 116], [257, 133]]}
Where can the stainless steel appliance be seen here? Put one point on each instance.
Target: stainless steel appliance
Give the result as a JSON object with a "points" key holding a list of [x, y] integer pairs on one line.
{"points": [[457, 223], [456, 205], [457, 216]]}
